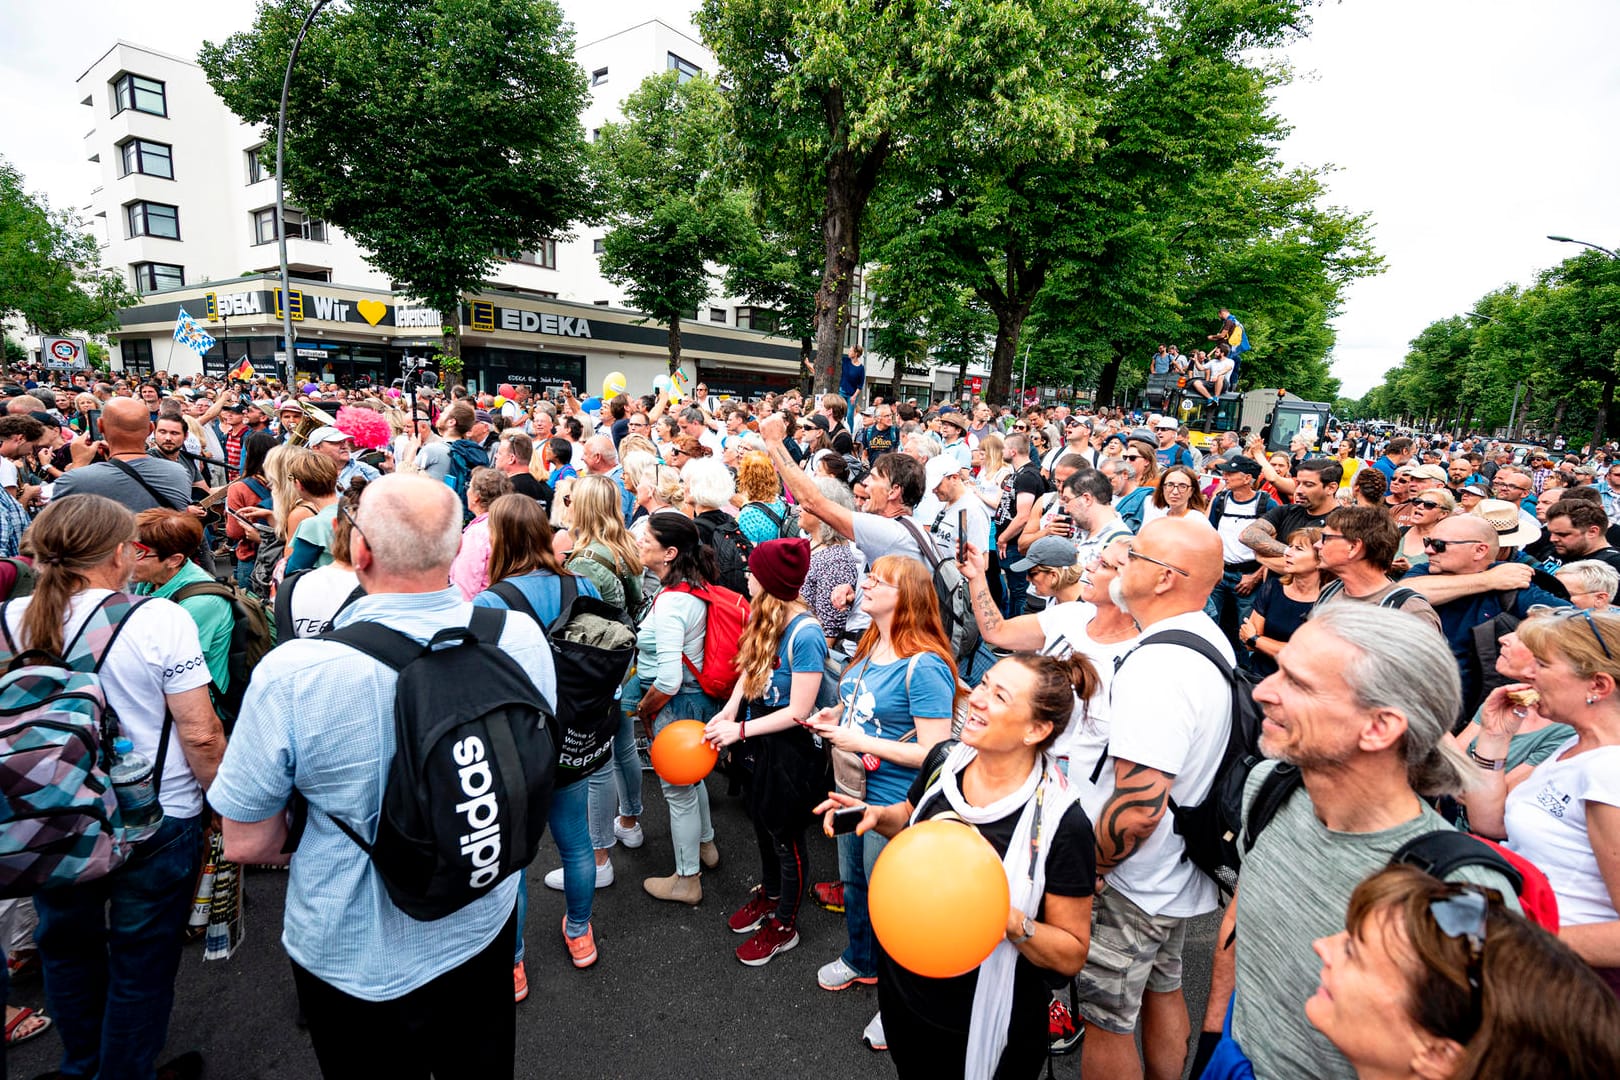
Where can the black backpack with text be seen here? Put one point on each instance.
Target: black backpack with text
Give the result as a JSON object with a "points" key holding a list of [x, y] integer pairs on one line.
{"points": [[475, 760]]}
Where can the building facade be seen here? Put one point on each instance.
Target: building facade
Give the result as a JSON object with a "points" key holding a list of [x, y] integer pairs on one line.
{"points": [[185, 207]]}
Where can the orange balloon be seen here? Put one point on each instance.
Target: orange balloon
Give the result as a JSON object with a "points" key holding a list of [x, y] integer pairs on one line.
{"points": [[938, 899], [679, 754]]}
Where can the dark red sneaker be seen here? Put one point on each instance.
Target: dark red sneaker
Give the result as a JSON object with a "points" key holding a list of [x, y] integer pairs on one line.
{"points": [[752, 915], [830, 895], [772, 938]]}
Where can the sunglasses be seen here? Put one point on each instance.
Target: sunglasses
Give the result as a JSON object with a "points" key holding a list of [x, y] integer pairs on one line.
{"points": [[1020, 427], [1132, 457], [1439, 546], [1462, 917], [1567, 613], [1133, 553], [1426, 504]]}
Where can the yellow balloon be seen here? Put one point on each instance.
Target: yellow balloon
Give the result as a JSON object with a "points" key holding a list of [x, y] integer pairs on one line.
{"points": [[613, 385]]}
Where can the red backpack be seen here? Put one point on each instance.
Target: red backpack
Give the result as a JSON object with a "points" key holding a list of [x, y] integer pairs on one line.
{"points": [[722, 633], [1445, 851]]}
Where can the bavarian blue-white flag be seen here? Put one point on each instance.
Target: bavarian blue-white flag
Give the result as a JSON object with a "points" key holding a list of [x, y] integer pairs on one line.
{"points": [[192, 336]]}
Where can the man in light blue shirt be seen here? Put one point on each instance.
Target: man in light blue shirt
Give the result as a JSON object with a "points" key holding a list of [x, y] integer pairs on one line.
{"points": [[319, 717], [339, 446]]}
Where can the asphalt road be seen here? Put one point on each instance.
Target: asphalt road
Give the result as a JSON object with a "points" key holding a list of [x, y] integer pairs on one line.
{"points": [[666, 999]]}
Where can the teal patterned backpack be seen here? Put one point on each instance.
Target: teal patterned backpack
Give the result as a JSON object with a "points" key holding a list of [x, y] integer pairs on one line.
{"points": [[60, 822]]}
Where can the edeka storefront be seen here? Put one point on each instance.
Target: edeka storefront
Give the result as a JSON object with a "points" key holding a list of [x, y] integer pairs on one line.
{"points": [[354, 337]]}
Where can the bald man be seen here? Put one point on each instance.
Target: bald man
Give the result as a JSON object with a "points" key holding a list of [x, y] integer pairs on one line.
{"points": [[1167, 743], [323, 704], [1468, 585], [118, 467]]}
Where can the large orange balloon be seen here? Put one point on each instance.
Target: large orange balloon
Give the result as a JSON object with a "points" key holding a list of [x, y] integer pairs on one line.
{"points": [[679, 754], [938, 899]]}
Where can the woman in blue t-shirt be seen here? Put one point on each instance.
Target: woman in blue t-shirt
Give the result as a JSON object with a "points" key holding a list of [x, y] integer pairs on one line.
{"points": [[520, 553], [780, 662], [895, 702]]}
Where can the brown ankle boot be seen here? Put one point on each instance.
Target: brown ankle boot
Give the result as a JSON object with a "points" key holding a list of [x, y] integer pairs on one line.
{"points": [[681, 890]]}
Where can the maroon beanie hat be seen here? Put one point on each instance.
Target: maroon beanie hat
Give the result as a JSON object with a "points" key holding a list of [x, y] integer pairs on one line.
{"points": [[780, 566]]}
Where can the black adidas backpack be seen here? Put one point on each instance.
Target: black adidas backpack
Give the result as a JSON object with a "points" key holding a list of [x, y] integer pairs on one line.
{"points": [[475, 759]]}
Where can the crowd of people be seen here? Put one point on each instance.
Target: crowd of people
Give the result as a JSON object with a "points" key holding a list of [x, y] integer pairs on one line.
{"points": [[1047, 623]]}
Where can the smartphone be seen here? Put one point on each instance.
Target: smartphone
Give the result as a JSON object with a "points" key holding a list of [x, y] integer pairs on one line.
{"points": [[961, 536], [844, 821]]}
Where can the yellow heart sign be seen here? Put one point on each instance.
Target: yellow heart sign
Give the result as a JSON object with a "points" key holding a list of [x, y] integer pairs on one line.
{"points": [[371, 310]]}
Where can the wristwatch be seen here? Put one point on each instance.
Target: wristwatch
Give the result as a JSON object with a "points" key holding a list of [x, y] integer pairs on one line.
{"points": [[1029, 931]]}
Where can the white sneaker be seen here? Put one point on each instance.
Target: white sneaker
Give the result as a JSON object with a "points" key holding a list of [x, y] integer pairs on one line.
{"points": [[838, 975], [873, 1035], [632, 837], [604, 877]]}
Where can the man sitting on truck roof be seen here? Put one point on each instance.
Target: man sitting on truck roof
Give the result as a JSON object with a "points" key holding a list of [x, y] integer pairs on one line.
{"points": [[1215, 373]]}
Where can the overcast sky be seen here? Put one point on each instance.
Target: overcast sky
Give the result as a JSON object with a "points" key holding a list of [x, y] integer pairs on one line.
{"points": [[1469, 129]]}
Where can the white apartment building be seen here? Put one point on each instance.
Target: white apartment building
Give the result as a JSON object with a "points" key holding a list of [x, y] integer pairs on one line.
{"points": [[185, 208]]}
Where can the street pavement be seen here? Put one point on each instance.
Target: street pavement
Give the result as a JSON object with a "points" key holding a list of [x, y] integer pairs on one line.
{"points": [[667, 998]]}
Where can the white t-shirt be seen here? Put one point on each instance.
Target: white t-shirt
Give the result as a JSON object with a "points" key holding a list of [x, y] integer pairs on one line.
{"points": [[877, 536], [1178, 726], [317, 596], [942, 524], [156, 653], [1546, 823], [1086, 738], [1235, 517], [1220, 368], [8, 473]]}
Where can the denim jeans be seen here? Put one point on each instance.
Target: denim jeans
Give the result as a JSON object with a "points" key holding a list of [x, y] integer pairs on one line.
{"points": [[570, 829], [1017, 587], [856, 854], [689, 823], [244, 573], [110, 950], [1225, 593], [615, 788]]}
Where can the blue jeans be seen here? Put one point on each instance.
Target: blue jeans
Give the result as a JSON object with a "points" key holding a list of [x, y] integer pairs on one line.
{"points": [[571, 830], [856, 854], [615, 788], [110, 950], [1224, 593], [244, 573], [984, 658], [689, 822], [1017, 587]]}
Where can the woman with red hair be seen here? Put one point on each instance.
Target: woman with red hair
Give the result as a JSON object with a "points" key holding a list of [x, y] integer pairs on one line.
{"points": [[896, 700]]}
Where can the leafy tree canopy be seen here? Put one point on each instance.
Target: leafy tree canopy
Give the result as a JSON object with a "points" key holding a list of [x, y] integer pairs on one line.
{"points": [[50, 268]]}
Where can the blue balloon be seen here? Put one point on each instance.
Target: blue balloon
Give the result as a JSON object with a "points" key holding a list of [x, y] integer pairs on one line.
{"points": [[592, 404]]}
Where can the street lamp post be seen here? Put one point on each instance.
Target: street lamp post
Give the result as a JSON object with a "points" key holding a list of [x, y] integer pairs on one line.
{"points": [[281, 195], [1584, 243]]}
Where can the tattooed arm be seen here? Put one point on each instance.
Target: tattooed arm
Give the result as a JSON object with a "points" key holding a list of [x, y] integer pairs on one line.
{"points": [[1141, 797], [1261, 537], [1022, 634]]}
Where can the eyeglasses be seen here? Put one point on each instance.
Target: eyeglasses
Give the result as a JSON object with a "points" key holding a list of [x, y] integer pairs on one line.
{"points": [[1326, 536], [1133, 553], [1178, 486], [1020, 427], [1131, 457], [1439, 546], [1576, 613], [1426, 504], [142, 551], [354, 526], [873, 579], [1462, 916]]}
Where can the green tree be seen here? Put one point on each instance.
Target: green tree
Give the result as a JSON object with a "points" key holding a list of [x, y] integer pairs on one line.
{"points": [[851, 85], [1578, 323], [437, 133], [50, 268], [670, 203]]}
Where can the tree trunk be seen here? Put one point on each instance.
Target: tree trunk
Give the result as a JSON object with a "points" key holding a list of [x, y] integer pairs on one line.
{"points": [[895, 387], [674, 344], [961, 374], [1107, 379], [807, 366], [1009, 326], [851, 179]]}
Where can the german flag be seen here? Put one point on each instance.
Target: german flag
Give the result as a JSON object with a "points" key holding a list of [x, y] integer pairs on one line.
{"points": [[243, 370]]}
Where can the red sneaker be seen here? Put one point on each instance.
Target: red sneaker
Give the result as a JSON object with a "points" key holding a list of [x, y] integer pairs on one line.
{"points": [[752, 915], [772, 938], [830, 895], [1063, 1033]]}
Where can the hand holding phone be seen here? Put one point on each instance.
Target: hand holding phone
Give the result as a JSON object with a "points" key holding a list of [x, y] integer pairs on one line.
{"points": [[844, 821], [961, 535]]}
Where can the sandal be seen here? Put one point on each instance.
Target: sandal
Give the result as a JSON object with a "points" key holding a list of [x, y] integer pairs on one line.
{"points": [[15, 1036]]}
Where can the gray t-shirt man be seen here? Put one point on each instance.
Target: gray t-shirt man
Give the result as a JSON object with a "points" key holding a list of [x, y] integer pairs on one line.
{"points": [[105, 478], [1295, 887]]}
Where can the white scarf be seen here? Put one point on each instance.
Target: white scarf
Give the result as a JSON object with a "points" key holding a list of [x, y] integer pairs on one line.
{"points": [[992, 997]]}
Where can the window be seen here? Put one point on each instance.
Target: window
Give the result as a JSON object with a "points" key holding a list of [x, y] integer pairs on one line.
{"points": [[598, 245], [138, 93], [256, 166], [152, 277], [596, 134], [687, 69], [147, 158], [599, 76], [300, 226], [544, 256], [310, 273], [600, 303], [717, 314], [137, 356], [757, 318], [153, 219]]}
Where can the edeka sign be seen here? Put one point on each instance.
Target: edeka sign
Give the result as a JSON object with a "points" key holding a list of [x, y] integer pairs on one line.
{"points": [[487, 317]]}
